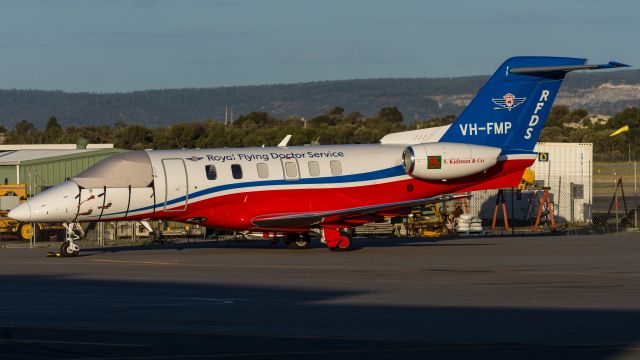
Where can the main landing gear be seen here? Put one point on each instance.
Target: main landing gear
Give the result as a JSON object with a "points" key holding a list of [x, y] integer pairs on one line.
{"points": [[298, 241], [336, 240], [69, 247]]}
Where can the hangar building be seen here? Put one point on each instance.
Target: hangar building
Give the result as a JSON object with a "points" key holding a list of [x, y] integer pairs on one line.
{"points": [[39, 167]]}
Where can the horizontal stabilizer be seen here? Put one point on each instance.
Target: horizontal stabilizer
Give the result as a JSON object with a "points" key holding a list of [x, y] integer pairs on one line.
{"points": [[511, 109], [565, 68]]}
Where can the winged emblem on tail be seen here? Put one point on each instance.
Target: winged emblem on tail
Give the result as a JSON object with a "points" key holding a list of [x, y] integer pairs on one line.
{"points": [[508, 102]]}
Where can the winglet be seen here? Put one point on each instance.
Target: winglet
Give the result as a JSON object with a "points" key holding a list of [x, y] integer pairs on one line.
{"points": [[615, 64], [285, 141]]}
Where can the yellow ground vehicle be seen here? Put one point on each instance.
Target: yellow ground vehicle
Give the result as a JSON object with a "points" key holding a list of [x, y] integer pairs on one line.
{"points": [[428, 220], [10, 197], [528, 179]]}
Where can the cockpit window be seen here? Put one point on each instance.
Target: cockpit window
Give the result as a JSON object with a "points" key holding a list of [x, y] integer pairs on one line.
{"points": [[131, 168]]}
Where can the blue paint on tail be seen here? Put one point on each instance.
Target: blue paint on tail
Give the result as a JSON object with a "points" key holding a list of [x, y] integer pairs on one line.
{"points": [[510, 110]]}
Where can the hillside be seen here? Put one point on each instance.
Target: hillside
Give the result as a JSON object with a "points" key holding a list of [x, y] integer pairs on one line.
{"points": [[418, 99]]}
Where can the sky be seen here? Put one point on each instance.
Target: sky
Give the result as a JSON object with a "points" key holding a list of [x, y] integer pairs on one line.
{"points": [[127, 45]]}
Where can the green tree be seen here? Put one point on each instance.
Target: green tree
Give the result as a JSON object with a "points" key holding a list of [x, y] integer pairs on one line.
{"points": [[338, 110], [391, 114], [52, 124], [53, 132]]}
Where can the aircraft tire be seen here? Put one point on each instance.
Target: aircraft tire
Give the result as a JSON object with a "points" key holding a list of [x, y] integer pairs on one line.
{"points": [[298, 241], [66, 249]]}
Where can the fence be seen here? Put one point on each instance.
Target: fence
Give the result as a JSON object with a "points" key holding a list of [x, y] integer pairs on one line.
{"points": [[590, 202]]}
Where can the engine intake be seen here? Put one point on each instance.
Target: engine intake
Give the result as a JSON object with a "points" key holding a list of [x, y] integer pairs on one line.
{"points": [[443, 161]]}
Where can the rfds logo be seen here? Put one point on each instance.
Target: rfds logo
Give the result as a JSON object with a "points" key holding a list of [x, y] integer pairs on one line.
{"points": [[508, 102], [194, 158]]}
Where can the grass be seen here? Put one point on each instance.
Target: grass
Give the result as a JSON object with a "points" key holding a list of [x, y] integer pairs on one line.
{"points": [[606, 174]]}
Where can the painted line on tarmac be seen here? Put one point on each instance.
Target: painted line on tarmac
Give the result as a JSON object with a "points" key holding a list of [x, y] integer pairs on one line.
{"points": [[137, 262], [34, 341], [286, 267]]}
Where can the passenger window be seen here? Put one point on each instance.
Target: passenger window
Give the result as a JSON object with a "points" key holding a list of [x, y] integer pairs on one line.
{"points": [[236, 171], [314, 168], [336, 167], [263, 170], [211, 172], [291, 169]]}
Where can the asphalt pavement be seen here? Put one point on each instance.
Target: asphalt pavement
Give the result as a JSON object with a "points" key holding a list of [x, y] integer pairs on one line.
{"points": [[553, 297]]}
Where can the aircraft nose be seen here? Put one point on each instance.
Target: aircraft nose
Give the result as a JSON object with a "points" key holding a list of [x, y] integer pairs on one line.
{"points": [[21, 212]]}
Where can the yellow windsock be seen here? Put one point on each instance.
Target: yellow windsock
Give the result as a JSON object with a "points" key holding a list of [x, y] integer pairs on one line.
{"points": [[620, 131]]}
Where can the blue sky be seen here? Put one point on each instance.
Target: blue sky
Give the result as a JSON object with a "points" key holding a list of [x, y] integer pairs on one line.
{"points": [[124, 45]]}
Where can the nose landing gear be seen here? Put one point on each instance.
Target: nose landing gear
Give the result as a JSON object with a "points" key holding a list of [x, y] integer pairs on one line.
{"points": [[69, 247]]}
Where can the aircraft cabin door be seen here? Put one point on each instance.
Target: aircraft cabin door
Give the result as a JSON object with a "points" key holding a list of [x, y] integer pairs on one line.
{"points": [[176, 185]]}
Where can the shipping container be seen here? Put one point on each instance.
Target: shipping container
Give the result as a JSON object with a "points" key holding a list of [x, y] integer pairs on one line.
{"points": [[566, 168]]}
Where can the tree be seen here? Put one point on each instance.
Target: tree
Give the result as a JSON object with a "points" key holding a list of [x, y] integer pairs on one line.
{"points": [[24, 127], [53, 132], [552, 134], [391, 114], [133, 137], [256, 119], [557, 115], [338, 110], [53, 125], [322, 120]]}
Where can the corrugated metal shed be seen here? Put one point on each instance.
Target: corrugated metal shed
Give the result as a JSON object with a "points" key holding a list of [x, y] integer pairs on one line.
{"points": [[18, 156], [43, 168]]}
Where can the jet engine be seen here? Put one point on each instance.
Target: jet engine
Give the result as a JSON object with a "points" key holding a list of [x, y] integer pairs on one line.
{"points": [[443, 161]]}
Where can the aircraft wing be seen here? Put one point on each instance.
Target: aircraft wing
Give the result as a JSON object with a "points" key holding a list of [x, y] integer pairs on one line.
{"points": [[306, 219]]}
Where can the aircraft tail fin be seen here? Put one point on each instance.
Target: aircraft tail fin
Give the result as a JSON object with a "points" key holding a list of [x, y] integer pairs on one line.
{"points": [[512, 107]]}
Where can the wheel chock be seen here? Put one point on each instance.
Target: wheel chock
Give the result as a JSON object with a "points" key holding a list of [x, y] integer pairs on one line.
{"points": [[53, 254]]}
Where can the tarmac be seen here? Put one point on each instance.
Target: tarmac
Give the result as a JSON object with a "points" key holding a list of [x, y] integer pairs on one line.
{"points": [[552, 297]]}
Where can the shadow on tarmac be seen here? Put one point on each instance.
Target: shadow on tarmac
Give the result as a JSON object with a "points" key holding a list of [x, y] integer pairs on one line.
{"points": [[57, 317]]}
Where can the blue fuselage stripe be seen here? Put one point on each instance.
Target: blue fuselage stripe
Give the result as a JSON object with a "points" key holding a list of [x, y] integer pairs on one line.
{"points": [[368, 176]]}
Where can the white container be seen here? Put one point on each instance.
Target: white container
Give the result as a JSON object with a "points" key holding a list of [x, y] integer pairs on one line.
{"points": [[566, 164]]}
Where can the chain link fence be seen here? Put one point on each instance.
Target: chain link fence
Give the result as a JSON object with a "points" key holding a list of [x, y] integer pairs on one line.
{"points": [[603, 200]]}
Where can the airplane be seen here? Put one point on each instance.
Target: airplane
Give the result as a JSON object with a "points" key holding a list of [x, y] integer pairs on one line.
{"points": [[293, 190]]}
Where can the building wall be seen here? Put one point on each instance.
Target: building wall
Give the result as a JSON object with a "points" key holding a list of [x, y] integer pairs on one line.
{"points": [[8, 174]]}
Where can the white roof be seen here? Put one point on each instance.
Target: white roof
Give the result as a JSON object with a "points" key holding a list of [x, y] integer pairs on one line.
{"points": [[16, 157], [52, 146]]}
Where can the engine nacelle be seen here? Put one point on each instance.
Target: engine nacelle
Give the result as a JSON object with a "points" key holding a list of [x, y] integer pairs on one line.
{"points": [[443, 161]]}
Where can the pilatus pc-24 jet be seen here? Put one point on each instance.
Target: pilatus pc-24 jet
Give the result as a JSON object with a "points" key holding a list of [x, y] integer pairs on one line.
{"points": [[294, 190]]}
